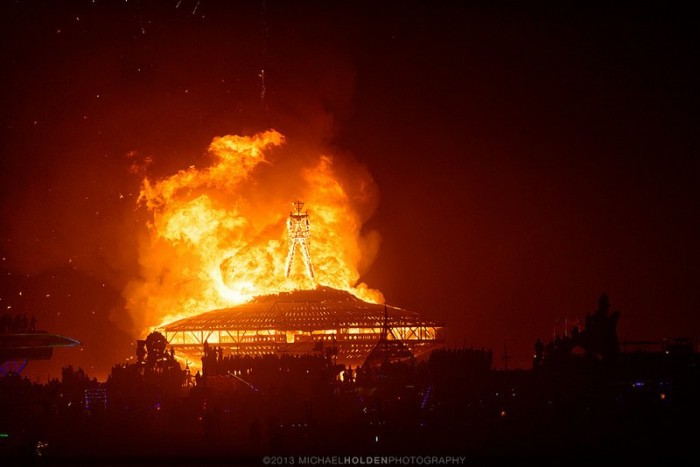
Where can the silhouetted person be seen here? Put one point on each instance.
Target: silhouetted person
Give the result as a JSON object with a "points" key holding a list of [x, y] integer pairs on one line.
{"points": [[212, 422], [274, 433], [600, 336], [140, 350], [255, 435], [575, 333], [539, 353]]}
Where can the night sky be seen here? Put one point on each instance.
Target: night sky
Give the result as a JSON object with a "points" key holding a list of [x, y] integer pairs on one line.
{"points": [[528, 159]]}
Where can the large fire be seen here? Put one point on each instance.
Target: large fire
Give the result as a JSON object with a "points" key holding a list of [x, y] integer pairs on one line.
{"points": [[217, 236]]}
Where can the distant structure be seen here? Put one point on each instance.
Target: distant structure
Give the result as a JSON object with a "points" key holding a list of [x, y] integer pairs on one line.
{"points": [[152, 354], [596, 343], [299, 233], [154, 379], [387, 349], [21, 342]]}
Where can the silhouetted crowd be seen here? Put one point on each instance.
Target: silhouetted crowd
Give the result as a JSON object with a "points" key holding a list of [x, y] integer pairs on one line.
{"points": [[469, 361], [17, 323], [215, 363], [238, 408], [281, 404]]}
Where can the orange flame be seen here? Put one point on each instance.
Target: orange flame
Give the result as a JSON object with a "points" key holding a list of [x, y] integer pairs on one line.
{"points": [[218, 236]]}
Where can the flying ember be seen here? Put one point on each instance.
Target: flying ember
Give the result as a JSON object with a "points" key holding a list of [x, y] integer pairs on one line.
{"points": [[220, 235]]}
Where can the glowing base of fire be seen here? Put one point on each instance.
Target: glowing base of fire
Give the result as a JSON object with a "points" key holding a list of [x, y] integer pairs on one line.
{"points": [[303, 322]]}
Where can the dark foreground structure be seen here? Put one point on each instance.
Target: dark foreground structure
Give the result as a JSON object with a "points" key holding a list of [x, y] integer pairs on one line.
{"points": [[622, 408], [21, 342]]}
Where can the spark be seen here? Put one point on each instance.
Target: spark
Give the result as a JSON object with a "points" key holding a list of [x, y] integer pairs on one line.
{"points": [[265, 40], [140, 18], [262, 86], [195, 7], [178, 4]]}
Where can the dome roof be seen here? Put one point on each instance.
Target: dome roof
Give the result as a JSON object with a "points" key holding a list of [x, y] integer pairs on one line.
{"points": [[304, 310]]}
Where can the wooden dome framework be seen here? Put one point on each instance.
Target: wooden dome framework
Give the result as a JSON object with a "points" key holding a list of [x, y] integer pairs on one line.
{"points": [[302, 322]]}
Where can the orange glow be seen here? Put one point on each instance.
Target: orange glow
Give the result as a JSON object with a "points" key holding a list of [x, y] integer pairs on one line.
{"points": [[217, 235]]}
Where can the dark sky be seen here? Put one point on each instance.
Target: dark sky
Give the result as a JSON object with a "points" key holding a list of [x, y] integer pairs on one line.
{"points": [[528, 158]]}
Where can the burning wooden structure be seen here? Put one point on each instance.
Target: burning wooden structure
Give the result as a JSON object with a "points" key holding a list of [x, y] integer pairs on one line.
{"points": [[302, 322]]}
